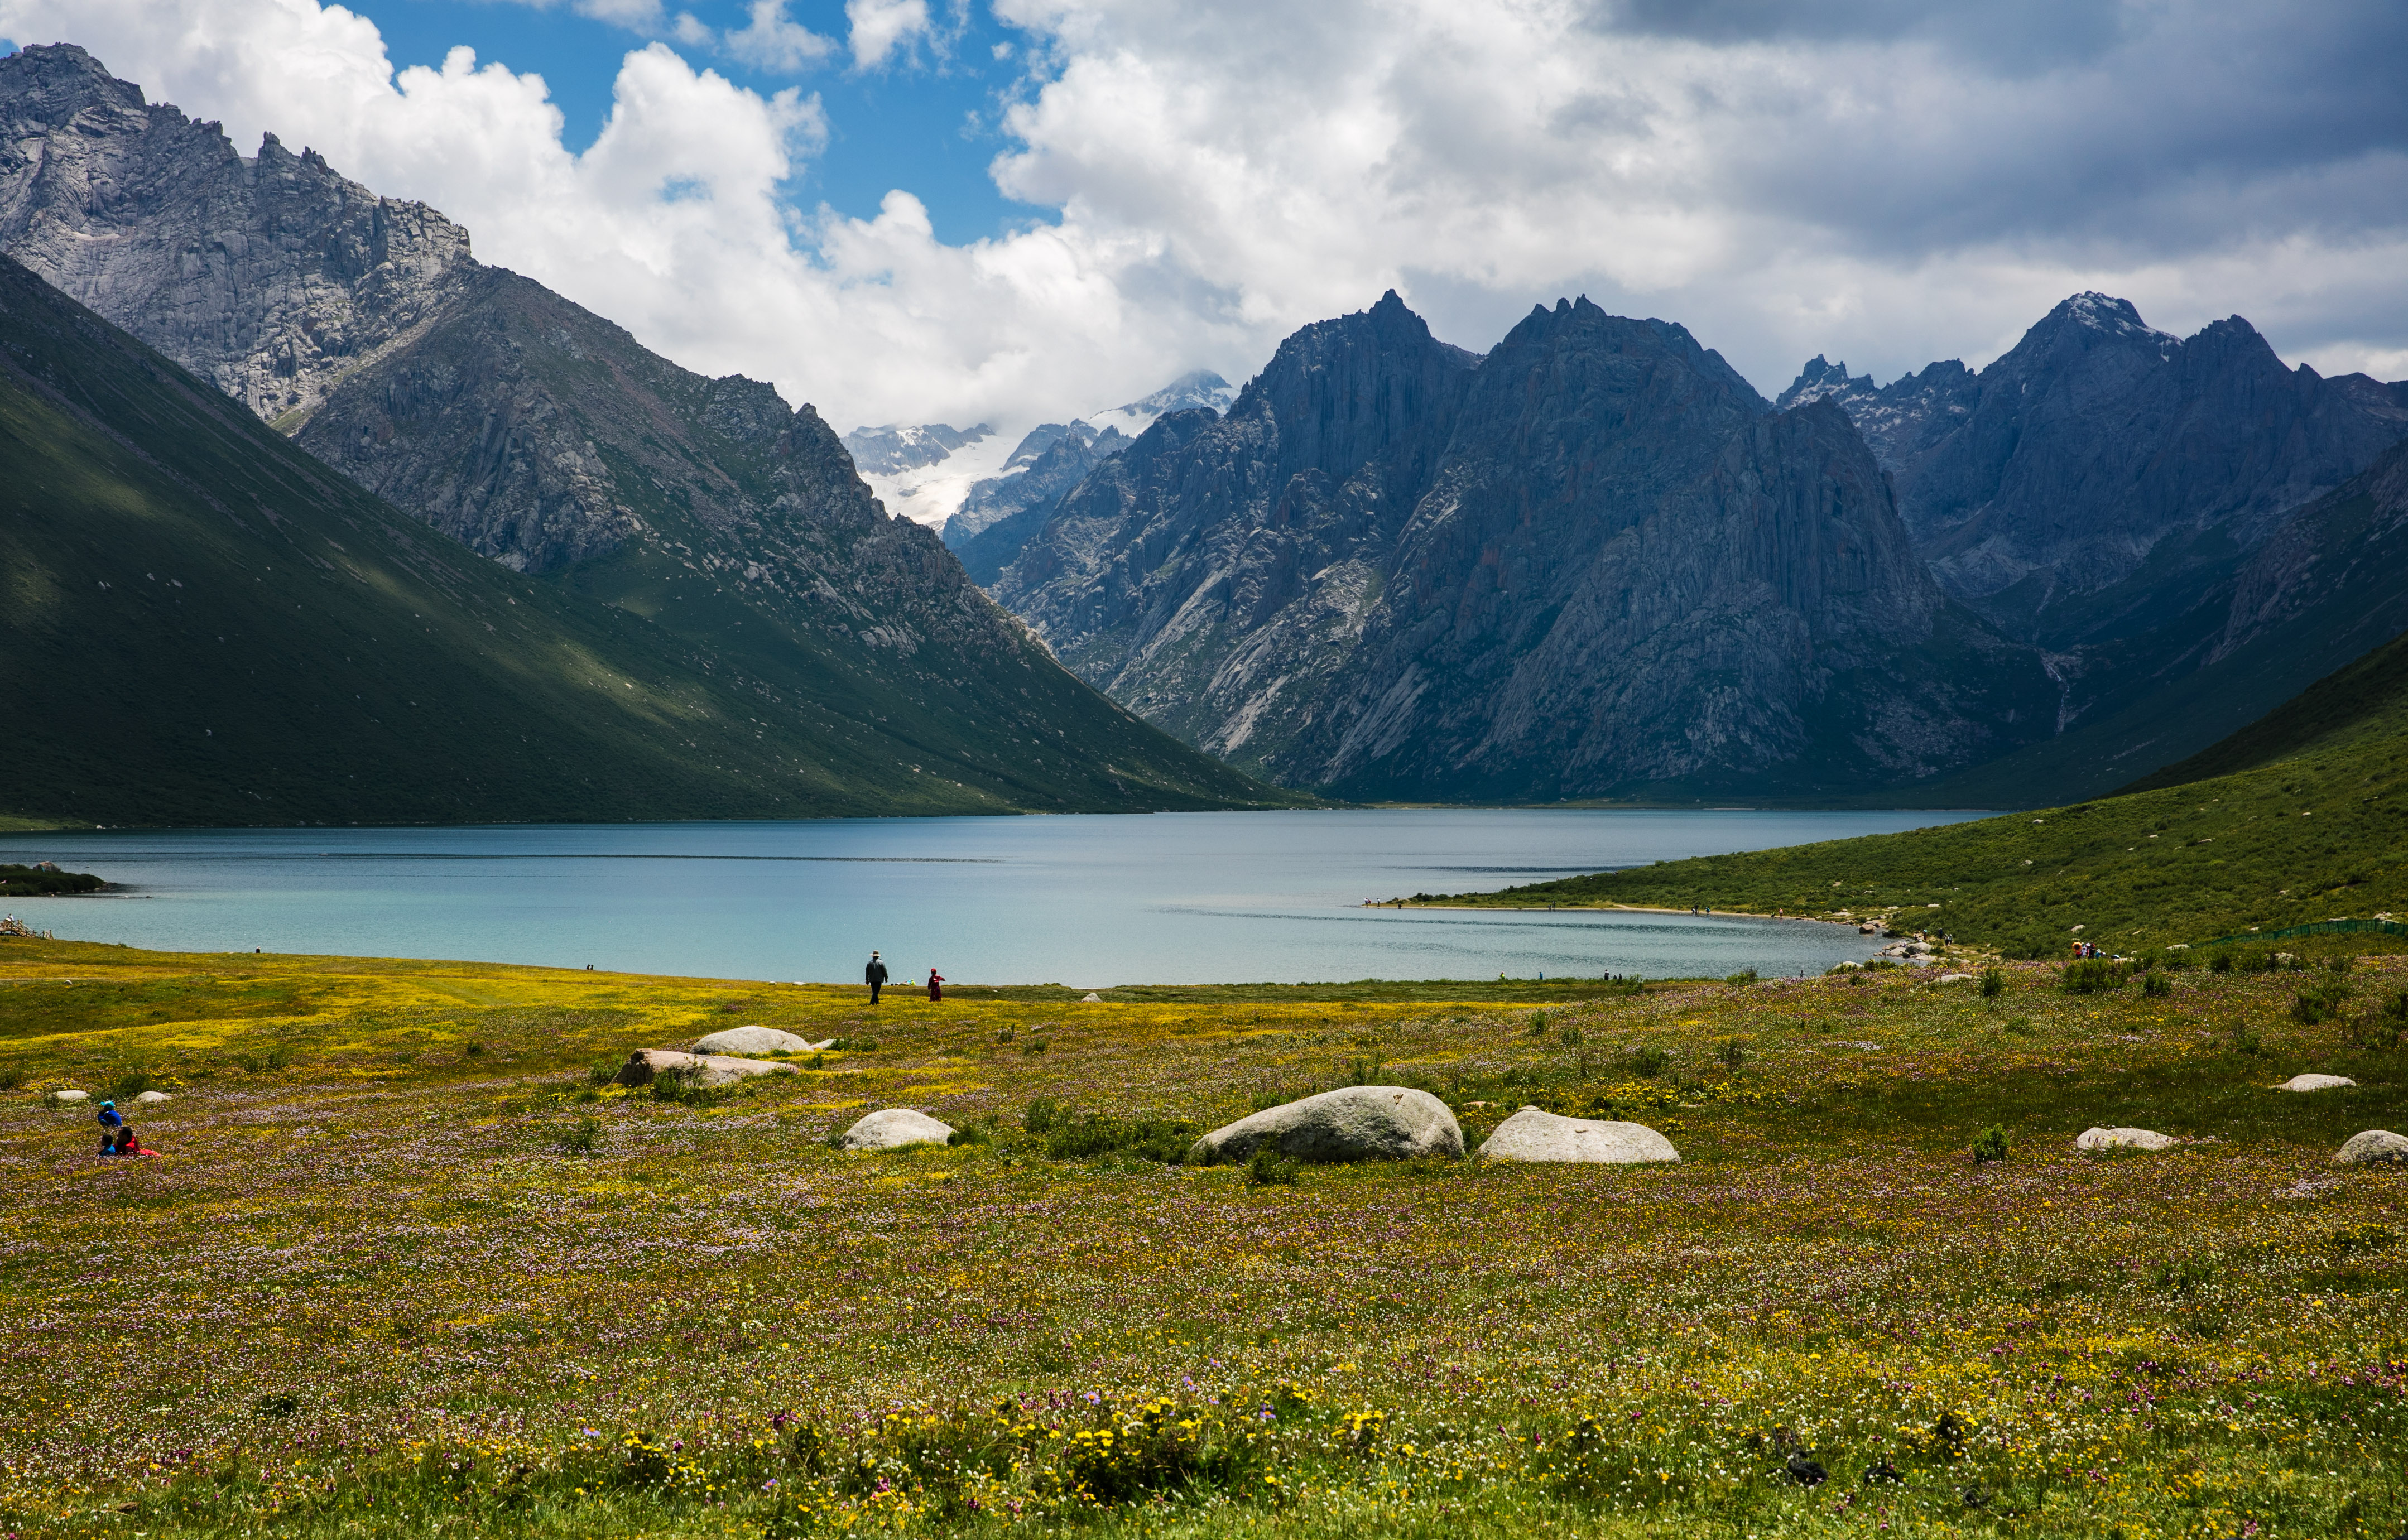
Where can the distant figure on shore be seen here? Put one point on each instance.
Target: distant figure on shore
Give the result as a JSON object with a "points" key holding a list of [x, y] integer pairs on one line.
{"points": [[874, 975], [936, 985]]}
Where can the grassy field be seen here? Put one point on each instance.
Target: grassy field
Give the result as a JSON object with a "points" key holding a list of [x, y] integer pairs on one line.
{"points": [[403, 1267]]}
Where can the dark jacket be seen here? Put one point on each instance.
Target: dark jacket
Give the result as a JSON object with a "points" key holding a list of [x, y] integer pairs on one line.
{"points": [[875, 973]]}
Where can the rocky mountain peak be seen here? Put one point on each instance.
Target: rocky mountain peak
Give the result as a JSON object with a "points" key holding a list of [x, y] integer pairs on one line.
{"points": [[154, 222], [1820, 378]]}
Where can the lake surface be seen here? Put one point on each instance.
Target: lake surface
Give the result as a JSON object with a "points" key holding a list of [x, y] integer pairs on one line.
{"points": [[1168, 898]]}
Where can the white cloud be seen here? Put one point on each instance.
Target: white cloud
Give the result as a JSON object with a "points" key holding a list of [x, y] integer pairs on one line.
{"points": [[770, 41], [880, 27], [1883, 183]]}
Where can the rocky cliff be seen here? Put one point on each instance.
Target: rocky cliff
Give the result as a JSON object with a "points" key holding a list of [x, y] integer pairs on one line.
{"points": [[2097, 447], [272, 278], [1000, 515], [1593, 562]]}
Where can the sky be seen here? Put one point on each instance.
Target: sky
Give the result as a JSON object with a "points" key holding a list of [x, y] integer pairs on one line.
{"points": [[1019, 211]]}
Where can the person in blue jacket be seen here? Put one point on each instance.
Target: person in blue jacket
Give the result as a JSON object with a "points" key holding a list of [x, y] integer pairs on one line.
{"points": [[110, 1123]]}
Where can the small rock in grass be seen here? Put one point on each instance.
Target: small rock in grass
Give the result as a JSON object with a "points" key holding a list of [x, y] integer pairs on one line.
{"points": [[71, 1097], [757, 1040], [1956, 979], [2124, 1138], [705, 1069], [1531, 1135], [1357, 1123], [893, 1128], [2375, 1147], [2316, 1082], [151, 1098], [1091, 999]]}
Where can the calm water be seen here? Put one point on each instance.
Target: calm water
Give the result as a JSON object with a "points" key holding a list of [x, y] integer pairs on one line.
{"points": [[1093, 901]]}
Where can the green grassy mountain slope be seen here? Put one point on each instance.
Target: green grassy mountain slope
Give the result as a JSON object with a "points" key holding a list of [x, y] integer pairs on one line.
{"points": [[203, 624], [2307, 822]]}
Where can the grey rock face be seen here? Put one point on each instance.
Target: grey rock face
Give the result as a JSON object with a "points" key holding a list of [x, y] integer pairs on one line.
{"points": [[1592, 561], [2052, 475], [999, 516], [273, 278], [1531, 1135], [1357, 1123], [2375, 1147], [893, 1128], [2093, 1139], [756, 1040]]}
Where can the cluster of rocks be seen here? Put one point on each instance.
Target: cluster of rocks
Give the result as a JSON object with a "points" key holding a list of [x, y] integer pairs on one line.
{"points": [[2374, 1146]]}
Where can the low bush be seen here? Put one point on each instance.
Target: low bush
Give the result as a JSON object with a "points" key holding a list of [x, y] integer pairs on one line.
{"points": [[581, 1137], [128, 1083], [1994, 983], [1746, 976], [1646, 1062], [12, 1077], [1163, 1140], [603, 1072], [2319, 1002], [1268, 1167], [1989, 1145], [2092, 976], [2157, 985]]}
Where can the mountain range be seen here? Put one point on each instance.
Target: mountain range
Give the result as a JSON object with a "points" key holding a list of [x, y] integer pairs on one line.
{"points": [[1395, 568], [1590, 563], [719, 538]]}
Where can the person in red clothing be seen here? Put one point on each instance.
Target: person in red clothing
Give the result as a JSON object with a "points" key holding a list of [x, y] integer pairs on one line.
{"points": [[936, 985], [129, 1147]]}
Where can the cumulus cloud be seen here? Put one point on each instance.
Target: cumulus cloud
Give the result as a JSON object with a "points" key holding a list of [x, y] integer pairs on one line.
{"points": [[881, 27], [771, 41], [1880, 180]]}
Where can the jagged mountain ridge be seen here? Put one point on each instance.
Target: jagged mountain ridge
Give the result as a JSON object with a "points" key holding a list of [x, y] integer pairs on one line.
{"points": [[1591, 563], [272, 278], [2055, 474], [1001, 515], [548, 439]]}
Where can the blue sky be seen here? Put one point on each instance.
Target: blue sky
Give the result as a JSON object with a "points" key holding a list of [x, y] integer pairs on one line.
{"points": [[926, 122]]}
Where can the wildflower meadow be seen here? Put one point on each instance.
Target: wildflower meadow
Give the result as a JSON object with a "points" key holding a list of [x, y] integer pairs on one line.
{"points": [[406, 1264]]}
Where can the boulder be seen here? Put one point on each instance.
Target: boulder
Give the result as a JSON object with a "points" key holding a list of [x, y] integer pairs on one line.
{"points": [[71, 1097], [1091, 999], [704, 1069], [2316, 1082], [1956, 979], [2124, 1138], [2375, 1147], [893, 1128], [1531, 1135], [152, 1098], [757, 1040], [1358, 1123]]}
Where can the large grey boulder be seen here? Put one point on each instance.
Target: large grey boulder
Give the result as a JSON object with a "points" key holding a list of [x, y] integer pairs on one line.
{"points": [[2375, 1147], [645, 1066], [757, 1040], [893, 1128], [152, 1098], [2094, 1139], [2316, 1082], [1358, 1123], [1531, 1135]]}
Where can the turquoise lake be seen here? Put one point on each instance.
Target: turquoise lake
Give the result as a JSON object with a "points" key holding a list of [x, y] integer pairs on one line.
{"points": [[1168, 898]]}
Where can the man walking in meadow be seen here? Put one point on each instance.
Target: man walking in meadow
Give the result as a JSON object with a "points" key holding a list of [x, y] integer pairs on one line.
{"points": [[874, 975]]}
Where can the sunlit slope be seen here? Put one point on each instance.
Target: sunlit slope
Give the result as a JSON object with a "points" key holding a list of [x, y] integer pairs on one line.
{"points": [[204, 625], [2310, 822]]}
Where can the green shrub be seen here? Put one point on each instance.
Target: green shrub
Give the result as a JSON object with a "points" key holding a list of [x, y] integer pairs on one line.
{"points": [[603, 1072], [1646, 1062], [2220, 961], [855, 1045], [1163, 1140], [1732, 1053], [2157, 985], [2246, 1040], [1035, 1045], [970, 1133], [2092, 976], [1746, 976], [1268, 1167], [1990, 1145], [275, 1058], [2319, 1002], [581, 1137], [1994, 983], [128, 1083], [1569, 1037], [1041, 1114], [472, 1049], [12, 1077], [1537, 1023]]}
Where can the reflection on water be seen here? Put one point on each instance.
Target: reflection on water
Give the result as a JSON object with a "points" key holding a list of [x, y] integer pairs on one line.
{"points": [[1169, 898]]}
